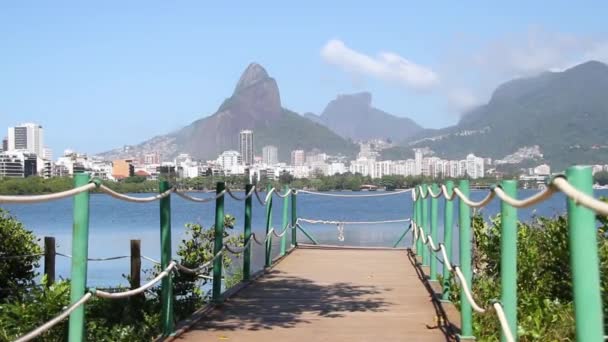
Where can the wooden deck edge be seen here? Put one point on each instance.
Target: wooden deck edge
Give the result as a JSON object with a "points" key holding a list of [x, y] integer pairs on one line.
{"points": [[448, 327], [362, 248], [185, 325]]}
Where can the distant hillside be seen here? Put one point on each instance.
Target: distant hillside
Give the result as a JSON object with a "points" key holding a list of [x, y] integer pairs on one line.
{"points": [[255, 104], [565, 113], [353, 116]]}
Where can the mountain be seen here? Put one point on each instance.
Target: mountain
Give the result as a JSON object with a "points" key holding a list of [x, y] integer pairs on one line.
{"points": [[353, 116], [564, 113], [255, 104]]}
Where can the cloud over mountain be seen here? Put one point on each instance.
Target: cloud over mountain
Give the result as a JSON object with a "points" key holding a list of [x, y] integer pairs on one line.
{"points": [[386, 66]]}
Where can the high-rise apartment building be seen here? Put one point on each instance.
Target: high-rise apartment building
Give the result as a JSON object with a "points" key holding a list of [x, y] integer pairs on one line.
{"points": [[4, 145], [270, 155], [297, 157], [26, 137], [246, 146]]}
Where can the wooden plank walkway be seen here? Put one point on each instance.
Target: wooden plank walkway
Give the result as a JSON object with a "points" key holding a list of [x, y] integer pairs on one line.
{"points": [[331, 295]]}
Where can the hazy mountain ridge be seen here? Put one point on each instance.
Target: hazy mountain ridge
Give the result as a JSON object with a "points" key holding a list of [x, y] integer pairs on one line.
{"points": [[353, 116], [562, 112]]}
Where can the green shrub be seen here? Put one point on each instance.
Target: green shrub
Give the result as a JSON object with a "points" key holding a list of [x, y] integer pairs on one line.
{"points": [[15, 240], [544, 284]]}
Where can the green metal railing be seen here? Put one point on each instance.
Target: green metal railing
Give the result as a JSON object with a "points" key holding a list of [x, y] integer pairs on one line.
{"points": [[581, 210], [79, 293]]}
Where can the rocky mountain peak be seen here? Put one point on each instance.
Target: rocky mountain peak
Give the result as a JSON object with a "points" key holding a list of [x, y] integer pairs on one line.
{"points": [[254, 73]]}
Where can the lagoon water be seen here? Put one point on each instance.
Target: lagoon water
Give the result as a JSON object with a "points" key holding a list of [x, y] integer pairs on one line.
{"points": [[113, 223]]}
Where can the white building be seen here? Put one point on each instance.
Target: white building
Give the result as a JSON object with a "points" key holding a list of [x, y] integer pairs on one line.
{"points": [[246, 146], [297, 157], [270, 155], [475, 166], [228, 159], [27, 137]]}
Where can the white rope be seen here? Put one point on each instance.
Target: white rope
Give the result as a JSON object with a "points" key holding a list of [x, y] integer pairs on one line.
{"points": [[530, 201], [431, 244], [434, 195], [96, 259], [474, 204], [198, 199], [282, 233], [48, 197], [504, 324], [239, 250], [150, 259], [447, 196], [580, 197], [287, 193], [240, 198], [138, 290], [386, 193], [268, 195], [133, 199], [467, 291], [48, 325], [421, 193], [311, 221]]}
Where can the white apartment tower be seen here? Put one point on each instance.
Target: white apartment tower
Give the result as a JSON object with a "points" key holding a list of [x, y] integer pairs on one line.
{"points": [[246, 146], [297, 157], [270, 155], [26, 137]]}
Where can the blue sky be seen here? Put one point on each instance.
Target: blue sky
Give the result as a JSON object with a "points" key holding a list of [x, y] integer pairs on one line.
{"points": [[100, 75]]}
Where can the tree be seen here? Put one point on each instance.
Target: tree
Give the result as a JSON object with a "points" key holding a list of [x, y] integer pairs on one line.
{"points": [[19, 255]]}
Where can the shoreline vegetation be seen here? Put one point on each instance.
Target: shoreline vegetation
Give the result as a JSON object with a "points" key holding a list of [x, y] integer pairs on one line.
{"points": [[343, 182]]}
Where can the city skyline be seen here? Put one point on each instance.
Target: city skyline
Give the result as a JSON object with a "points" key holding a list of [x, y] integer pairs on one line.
{"points": [[148, 74]]}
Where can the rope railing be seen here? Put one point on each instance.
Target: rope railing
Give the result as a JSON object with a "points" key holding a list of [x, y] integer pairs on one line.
{"points": [[139, 290], [463, 283], [198, 199], [69, 256], [46, 198], [48, 325], [317, 221], [386, 193], [134, 199]]}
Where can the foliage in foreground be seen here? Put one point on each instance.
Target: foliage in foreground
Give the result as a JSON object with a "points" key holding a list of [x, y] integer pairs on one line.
{"points": [[131, 319], [544, 284]]}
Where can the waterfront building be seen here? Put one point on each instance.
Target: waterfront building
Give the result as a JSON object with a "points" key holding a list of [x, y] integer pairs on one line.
{"points": [[27, 137], [270, 155], [246, 146], [297, 157], [122, 168], [18, 164]]}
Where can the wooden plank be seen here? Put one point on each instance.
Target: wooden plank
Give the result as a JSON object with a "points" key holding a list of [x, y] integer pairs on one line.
{"points": [[331, 295]]}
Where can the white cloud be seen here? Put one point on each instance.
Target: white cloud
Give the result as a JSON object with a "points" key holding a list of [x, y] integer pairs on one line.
{"points": [[462, 100], [536, 50], [385, 66]]}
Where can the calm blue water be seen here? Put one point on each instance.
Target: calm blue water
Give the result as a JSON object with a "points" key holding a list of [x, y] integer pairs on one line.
{"points": [[113, 223]]}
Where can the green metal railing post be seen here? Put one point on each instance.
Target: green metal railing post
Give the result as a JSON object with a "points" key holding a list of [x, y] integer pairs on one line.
{"points": [[218, 243], [447, 239], [268, 259], [165, 259], [419, 246], [80, 251], [414, 222], [247, 236], [464, 221], [434, 213], [285, 221], [425, 224], [508, 258], [584, 260], [294, 220]]}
